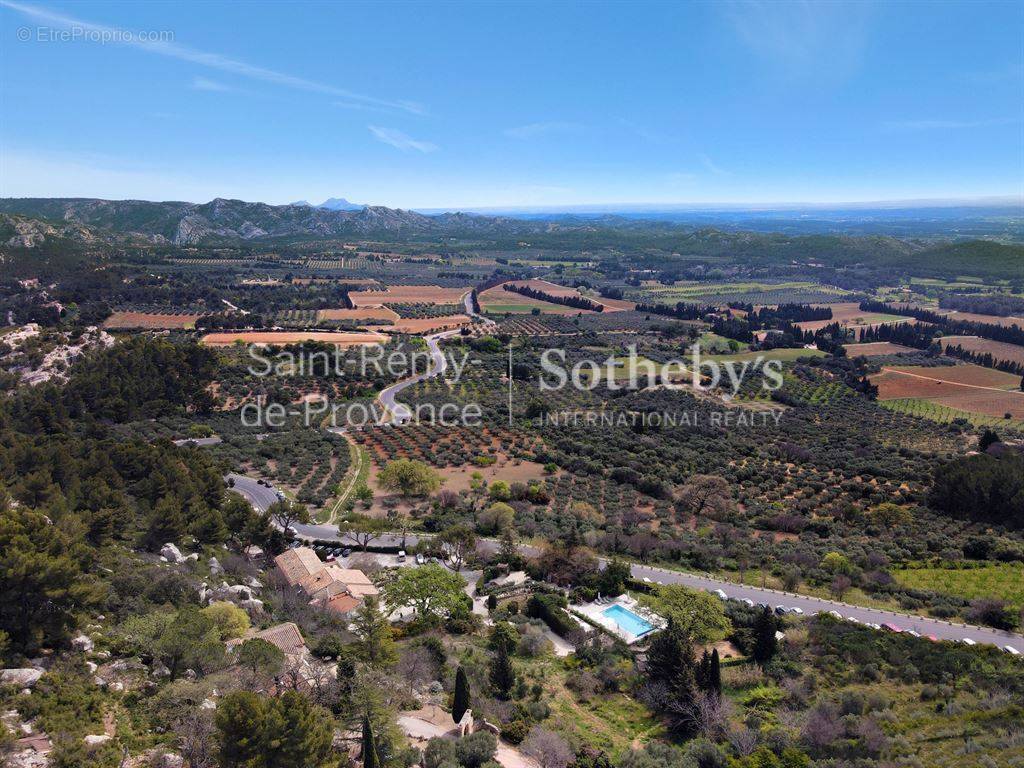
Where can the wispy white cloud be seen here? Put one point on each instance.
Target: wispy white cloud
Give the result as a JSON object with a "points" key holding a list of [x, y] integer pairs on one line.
{"points": [[205, 84], [945, 125], [399, 140], [171, 49], [533, 130], [643, 132], [803, 38], [710, 164]]}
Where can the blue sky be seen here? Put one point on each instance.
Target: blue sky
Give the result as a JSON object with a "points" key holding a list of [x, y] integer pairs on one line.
{"points": [[512, 104]]}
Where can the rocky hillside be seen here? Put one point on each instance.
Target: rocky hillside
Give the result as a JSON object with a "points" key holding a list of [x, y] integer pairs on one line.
{"points": [[229, 221]]}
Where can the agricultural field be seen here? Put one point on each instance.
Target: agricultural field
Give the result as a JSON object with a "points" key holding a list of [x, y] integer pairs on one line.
{"points": [[562, 291], [498, 301], [974, 317], [1002, 581], [424, 324], [962, 375], [276, 338], [757, 293], [850, 315], [362, 313], [970, 388], [934, 410], [150, 320], [998, 349], [877, 349], [409, 294]]}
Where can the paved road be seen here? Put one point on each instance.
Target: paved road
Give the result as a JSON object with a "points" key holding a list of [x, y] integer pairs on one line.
{"points": [[467, 301], [261, 497], [399, 412], [199, 441]]}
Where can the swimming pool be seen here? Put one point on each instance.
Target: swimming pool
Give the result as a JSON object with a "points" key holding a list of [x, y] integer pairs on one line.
{"points": [[627, 620]]}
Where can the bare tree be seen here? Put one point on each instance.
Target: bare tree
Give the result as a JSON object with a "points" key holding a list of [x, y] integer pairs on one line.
{"points": [[840, 585], [196, 739], [706, 495], [710, 715], [548, 748]]}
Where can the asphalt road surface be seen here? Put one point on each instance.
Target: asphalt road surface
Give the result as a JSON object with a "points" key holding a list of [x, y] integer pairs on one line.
{"points": [[467, 301], [262, 497], [400, 413]]}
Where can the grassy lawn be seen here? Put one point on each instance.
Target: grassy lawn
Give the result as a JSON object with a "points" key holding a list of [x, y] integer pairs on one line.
{"points": [[1003, 580]]}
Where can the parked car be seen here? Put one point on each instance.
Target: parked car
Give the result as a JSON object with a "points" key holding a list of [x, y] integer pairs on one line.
{"points": [[891, 628], [797, 610], [721, 594], [749, 603], [401, 555], [835, 614], [780, 610], [420, 559], [968, 641], [346, 552], [1011, 650]]}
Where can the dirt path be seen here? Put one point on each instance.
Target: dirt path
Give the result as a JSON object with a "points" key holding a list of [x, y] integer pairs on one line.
{"points": [[952, 383], [354, 471]]}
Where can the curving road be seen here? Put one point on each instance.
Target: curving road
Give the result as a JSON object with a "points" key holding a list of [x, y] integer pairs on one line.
{"points": [[467, 302], [399, 412]]}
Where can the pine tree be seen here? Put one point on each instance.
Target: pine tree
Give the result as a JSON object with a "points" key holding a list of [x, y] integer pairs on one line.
{"points": [[765, 644], [370, 759], [462, 699]]}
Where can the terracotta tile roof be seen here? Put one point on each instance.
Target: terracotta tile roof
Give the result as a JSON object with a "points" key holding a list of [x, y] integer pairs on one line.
{"points": [[342, 603], [286, 637], [297, 564]]}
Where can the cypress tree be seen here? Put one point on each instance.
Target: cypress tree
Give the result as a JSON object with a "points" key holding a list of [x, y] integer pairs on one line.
{"points": [[670, 663], [462, 699], [703, 673], [503, 675], [765, 644], [715, 674], [370, 759]]}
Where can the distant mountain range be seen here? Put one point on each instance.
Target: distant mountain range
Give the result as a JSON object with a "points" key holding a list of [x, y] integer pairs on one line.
{"points": [[31, 222], [223, 221], [332, 204]]}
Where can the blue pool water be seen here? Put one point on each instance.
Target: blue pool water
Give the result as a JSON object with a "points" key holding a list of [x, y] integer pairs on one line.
{"points": [[627, 620]]}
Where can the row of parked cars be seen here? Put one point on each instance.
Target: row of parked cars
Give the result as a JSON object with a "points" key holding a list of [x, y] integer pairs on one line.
{"points": [[782, 610]]}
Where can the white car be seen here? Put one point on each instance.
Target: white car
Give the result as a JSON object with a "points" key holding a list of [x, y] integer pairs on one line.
{"points": [[401, 555], [913, 633], [798, 611], [853, 619], [420, 559], [721, 595], [1011, 650], [968, 641], [749, 603], [835, 614]]}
